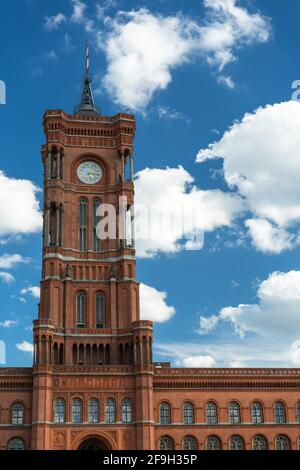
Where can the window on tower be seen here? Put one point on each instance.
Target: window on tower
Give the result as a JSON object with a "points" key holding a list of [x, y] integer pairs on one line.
{"points": [[100, 303], [83, 221], [96, 240], [81, 309]]}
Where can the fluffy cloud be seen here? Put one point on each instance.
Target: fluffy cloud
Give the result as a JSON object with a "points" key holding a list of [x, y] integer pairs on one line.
{"points": [[19, 206], [197, 361], [154, 305], [144, 48], [34, 291], [7, 277], [25, 347], [53, 22], [9, 261], [177, 212], [274, 318], [261, 160]]}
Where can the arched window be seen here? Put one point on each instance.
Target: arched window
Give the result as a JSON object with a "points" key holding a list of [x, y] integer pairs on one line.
{"points": [[165, 413], [257, 413], [259, 443], [96, 219], [16, 444], [282, 443], [213, 443], [17, 413], [83, 222], [110, 410], [279, 412], [126, 407], [211, 413], [189, 443], [100, 305], [93, 411], [59, 410], [236, 443], [298, 412], [165, 443], [234, 413], [188, 413], [76, 411], [81, 309]]}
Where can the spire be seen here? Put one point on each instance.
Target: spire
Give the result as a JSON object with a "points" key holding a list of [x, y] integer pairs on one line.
{"points": [[87, 106]]}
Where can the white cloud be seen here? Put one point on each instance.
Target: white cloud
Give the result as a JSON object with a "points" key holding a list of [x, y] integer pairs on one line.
{"points": [[51, 56], [197, 361], [207, 324], [19, 206], [8, 323], [268, 238], [68, 43], [275, 316], [34, 291], [261, 161], [168, 114], [25, 347], [154, 305], [226, 81], [79, 16], [53, 22], [7, 277], [9, 261], [144, 48], [177, 212]]}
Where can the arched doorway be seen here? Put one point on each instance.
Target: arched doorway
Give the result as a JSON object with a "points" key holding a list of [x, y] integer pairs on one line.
{"points": [[93, 444]]}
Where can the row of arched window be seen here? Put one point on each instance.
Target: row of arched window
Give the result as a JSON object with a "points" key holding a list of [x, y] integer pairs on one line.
{"points": [[81, 309], [93, 411], [259, 442], [234, 413]]}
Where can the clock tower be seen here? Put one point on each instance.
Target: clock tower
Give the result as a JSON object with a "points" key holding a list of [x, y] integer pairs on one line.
{"points": [[89, 341]]}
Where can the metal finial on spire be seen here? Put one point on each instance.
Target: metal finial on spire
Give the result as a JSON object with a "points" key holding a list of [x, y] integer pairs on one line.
{"points": [[87, 105]]}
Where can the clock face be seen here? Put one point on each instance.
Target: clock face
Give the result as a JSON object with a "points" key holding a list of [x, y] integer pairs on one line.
{"points": [[89, 172]]}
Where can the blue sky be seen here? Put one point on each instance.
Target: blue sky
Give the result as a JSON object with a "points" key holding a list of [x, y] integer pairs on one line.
{"points": [[188, 70]]}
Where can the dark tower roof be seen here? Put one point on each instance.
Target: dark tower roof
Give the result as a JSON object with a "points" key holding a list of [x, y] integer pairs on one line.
{"points": [[87, 106]]}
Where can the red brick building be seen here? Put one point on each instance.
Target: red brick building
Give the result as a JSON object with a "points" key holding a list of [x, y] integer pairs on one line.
{"points": [[93, 384]]}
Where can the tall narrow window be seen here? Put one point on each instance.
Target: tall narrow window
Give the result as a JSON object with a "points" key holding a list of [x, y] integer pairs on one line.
{"points": [[83, 221], [81, 309], [188, 413], [298, 412], [93, 411], [211, 413], [59, 410], [126, 411], [96, 239], [100, 310], [165, 413], [257, 413], [18, 413], [76, 411], [279, 412], [110, 411], [234, 413]]}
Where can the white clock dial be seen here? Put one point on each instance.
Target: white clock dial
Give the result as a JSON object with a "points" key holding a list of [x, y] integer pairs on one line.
{"points": [[89, 172]]}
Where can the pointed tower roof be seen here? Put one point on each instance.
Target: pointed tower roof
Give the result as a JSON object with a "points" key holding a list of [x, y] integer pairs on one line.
{"points": [[87, 106]]}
